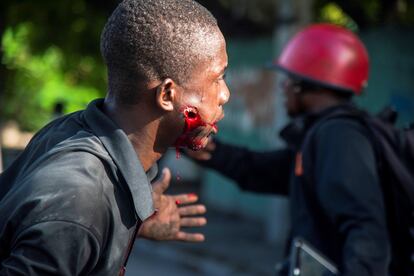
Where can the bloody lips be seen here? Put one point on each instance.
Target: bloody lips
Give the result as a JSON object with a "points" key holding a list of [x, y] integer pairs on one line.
{"points": [[192, 121]]}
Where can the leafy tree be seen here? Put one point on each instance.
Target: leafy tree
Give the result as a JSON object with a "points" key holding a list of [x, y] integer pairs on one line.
{"points": [[50, 55], [371, 13]]}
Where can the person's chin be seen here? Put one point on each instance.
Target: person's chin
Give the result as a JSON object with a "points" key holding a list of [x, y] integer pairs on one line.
{"points": [[198, 144]]}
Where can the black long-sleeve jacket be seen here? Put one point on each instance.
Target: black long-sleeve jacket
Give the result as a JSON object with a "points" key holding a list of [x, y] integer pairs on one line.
{"points": [[335, 195], [71, 204]]}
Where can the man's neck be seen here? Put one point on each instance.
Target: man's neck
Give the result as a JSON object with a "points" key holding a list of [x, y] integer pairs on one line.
{"points": [[140, 129]]}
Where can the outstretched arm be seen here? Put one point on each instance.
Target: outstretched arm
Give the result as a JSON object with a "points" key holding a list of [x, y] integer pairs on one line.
{"points": [[263, 172], [173, 213]]}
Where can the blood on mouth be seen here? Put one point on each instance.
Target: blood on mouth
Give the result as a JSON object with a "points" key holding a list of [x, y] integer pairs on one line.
{"points": [[192, 121]]}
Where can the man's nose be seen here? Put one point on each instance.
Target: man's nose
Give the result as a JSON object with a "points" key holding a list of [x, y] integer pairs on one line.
{"points": [[224, 95]]}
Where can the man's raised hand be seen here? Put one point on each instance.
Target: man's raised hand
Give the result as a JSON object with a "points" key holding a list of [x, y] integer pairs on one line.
{"points": [[173, 213]]}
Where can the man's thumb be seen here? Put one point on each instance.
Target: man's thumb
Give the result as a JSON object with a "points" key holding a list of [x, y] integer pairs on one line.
{"points": [[163, 183]]}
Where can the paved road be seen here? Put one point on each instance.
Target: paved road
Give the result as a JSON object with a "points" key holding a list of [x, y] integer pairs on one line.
{"points": [[233, 247]]}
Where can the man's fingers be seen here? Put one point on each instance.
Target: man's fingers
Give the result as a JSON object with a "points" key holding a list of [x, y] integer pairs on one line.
{"points": [[185, 198], [162, 184], [190, 237], [192, 210], [193, 222]]}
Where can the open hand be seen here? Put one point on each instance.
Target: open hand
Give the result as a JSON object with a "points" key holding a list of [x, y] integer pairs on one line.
{"points": [[172, 214]]}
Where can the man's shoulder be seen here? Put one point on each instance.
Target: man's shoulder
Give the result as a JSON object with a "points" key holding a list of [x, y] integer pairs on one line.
{"points": [[68, 186], [77, 164], [337, 135], [69, 130], [69, 142], [339, 125], [61, 127]]}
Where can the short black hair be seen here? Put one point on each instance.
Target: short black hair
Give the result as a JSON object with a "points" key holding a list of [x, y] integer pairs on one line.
{"points": [[154, 39]]}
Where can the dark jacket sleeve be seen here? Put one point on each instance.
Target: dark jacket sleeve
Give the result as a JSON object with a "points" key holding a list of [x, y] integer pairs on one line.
{"points": [[263, 172], [348, 188], [52, 248]]}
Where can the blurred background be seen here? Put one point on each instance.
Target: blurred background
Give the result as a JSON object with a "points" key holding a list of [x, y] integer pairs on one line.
{"points": [[51, 65]]}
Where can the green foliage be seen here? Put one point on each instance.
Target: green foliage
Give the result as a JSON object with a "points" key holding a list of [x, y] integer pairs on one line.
{"points": [[367, 13], [332, 13], [41, 80], [50, 54]]}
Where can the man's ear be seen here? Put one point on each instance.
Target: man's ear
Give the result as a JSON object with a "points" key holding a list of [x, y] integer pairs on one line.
{"points": [[166, 94]]}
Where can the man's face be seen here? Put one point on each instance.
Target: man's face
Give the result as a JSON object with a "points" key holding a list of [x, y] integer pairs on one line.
{"points": [[202, 98]]}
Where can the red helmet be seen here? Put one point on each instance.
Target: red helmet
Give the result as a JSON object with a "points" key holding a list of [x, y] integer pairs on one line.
{"points": [[328, 55]]}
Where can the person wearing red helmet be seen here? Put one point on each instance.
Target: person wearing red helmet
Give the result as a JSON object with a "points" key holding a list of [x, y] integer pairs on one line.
{"points": [[322, 58], [329, 167]]}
